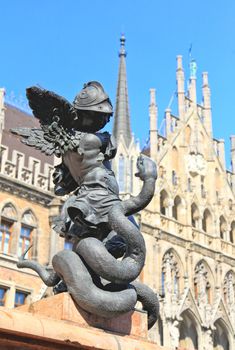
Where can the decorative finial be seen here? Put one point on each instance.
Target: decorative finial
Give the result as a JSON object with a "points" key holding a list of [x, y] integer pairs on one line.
{"points": [[122, 51]]}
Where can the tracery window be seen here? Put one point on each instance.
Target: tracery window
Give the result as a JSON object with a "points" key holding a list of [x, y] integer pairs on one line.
{"points": [[5, 236], [8, 217]]}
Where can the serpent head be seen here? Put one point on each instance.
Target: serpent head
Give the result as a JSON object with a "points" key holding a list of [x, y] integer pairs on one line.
{"points": [[146, 168]]}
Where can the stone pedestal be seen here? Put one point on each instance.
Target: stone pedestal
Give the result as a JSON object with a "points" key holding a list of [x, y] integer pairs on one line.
{"points": [[56, 323]]}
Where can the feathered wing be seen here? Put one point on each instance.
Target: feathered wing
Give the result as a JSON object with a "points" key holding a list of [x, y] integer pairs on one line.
{"points": [[56, 116], [46, 105], [35, 138]]}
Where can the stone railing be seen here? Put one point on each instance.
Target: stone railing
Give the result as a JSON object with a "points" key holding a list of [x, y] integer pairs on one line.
{"points": [[15, 168]]}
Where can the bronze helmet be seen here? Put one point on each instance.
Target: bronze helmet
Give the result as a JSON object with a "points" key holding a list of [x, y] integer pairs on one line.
{"points": [[93, 98]]}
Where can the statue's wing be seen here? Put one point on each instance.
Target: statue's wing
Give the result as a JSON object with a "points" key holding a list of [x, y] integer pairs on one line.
{"points": [[46, 104], [35, 138]]}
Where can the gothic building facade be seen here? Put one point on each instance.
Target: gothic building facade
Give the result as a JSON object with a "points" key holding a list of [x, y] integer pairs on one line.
{"points": [[27, 208], [189, 227]]}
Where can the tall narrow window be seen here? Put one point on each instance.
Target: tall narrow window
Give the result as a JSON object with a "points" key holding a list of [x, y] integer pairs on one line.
{"points": [[163, 202], [189, 185], [25, 239], [174, 178], [194, 215], [2, 296], [20, 298], [131, 174], [5, 236], [232, 232], [222, 227], [121, 173]]}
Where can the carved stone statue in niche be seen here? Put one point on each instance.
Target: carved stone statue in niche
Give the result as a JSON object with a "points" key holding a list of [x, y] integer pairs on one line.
{"points": [[202, 285], [94, 218]]}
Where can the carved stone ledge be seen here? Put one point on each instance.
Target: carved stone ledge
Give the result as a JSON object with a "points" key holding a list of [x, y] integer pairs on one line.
{"points": [[25, 191]]}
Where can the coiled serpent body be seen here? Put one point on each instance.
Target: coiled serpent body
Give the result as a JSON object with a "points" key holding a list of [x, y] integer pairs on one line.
{"points": [[99, 282]]}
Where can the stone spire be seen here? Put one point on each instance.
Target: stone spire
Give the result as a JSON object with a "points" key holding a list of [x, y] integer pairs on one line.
{"points": [[180, 88], [193, 80], [206, 94], [122, 116]]}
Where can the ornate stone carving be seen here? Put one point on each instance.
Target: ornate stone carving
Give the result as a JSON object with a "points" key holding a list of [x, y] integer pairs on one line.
{"points": [[202, 284]]}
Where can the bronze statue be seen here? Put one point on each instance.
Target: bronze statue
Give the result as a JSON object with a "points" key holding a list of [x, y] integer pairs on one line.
{"points": [[94, 218]]}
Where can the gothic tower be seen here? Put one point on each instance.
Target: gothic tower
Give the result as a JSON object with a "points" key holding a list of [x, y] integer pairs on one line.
{"points": [[127, 149]]}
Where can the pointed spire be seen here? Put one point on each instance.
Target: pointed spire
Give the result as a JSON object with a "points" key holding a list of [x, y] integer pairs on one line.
{"points": [[122, 116]]}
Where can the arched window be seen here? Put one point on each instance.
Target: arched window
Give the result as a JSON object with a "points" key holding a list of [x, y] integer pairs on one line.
{"points": [[176, 208], [8, 217], [163, 202], [222, 227], [221, 336], [188, 337], [207, 221], [232, 232], [194, 215], [27, 233], [121, 173]]}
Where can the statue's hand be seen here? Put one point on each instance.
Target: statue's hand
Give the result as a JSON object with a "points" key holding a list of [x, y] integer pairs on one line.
{"points": [[146, 168]]}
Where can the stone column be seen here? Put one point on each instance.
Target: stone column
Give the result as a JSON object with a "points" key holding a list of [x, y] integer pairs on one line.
{"points": [[168, 122], [10, 297], [206, 95], [153, 117], [180, 88]]}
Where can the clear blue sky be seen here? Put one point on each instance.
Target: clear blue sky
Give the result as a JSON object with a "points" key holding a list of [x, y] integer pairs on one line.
{"points": [[60, 44]]}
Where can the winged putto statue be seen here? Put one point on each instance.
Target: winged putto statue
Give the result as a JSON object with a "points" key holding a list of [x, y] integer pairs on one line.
{"points": [[108, 251]]}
